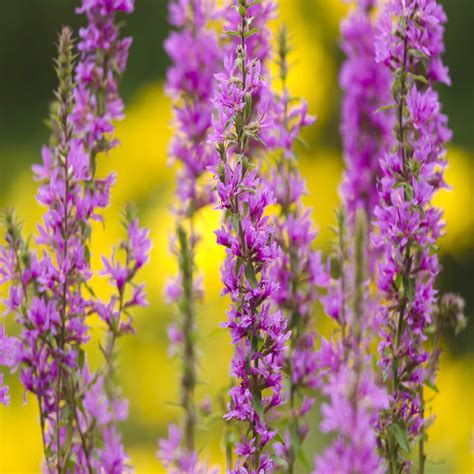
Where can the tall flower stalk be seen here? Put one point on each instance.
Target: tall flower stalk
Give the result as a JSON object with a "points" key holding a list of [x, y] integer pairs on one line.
{"points": [[354, 397], [102, 61], [258, 333], [366, 130], [50, 294], [410, 44], [344, 362], [194, 52], [298, 269]]}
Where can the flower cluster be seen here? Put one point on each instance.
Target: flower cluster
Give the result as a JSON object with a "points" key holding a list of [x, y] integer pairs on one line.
{"points": [[103, 58], [104, 403], [349, 382], [410, 43], [258, 332], [298, 268], [50, 294], [8, 348], [353, 401], [344, 362], [194, 52], [366, 131], [178, 460], [259, 44]]}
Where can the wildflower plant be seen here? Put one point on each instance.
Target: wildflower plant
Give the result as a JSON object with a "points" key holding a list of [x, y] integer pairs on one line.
{"points": [[346, 377], [298, 268], [195, 58], [410, 43], [258, 333], [49, 291]]}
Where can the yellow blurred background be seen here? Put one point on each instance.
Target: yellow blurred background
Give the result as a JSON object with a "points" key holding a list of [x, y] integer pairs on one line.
{"points": [[147, 375]]}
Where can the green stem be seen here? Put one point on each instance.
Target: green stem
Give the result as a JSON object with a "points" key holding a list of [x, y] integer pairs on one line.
{"points": [[188, 381], [421, 444]]}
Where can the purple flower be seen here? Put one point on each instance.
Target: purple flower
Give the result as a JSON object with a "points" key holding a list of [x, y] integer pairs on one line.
{"points": [[8, 355], [365, 130], [140, 244], [178, 461], [127, 258], [49, 292], [97, 404], [194, 52], [112, 455], [298, 269], [103, 58], [258, 332], [355, 447], [422, 106], [344, 367], [4, 397], [195, 58], [410, 43]]}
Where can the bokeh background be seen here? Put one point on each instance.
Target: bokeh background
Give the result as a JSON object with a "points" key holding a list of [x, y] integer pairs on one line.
{"points": [[28, 31]]}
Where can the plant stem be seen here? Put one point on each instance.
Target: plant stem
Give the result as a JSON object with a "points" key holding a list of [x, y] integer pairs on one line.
{"points": [[188, 381], [421, 444], [393, 445]]}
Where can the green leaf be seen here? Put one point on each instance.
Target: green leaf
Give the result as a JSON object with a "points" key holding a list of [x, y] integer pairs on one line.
{"points": [[409, 191], [385, 108], [280, 461], [247, 364], [411, 289], [279, 438], [80, 359], [251, 32], [236, 223], [400, 432], [257, 404], [431, 385], [238, 264], [248, 105], [417, 54], [420, 78], [250, 275]]}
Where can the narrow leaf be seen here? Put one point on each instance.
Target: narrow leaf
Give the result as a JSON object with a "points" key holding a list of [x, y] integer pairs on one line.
{"points": [[399, 430], [250, 275]]}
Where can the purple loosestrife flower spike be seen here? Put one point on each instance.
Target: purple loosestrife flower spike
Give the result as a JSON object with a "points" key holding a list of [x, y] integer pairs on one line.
{"points": [[194, 52], [298, 268], [258, 333], [348, 380], [103, 59], [121, 269], [366, 131], [410, 43], [344, 362], [259, 43], [259, 47], [46, 289], [49, 291]]}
